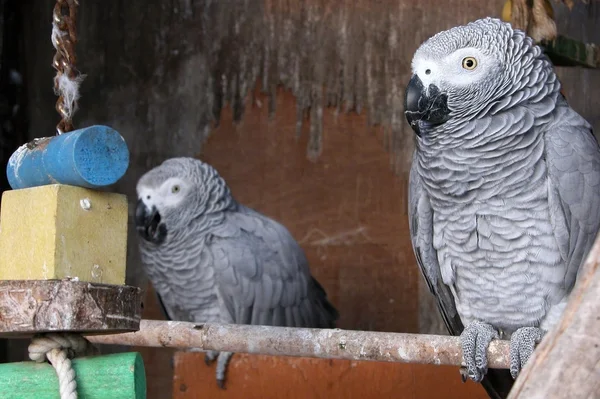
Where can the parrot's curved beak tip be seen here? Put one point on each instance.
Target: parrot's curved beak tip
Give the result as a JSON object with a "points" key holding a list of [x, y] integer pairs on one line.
{"points": [[424, 108], [148, 223]]}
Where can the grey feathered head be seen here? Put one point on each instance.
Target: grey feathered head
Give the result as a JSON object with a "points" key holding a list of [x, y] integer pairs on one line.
{"points": [[176, 192], [481, 68]]}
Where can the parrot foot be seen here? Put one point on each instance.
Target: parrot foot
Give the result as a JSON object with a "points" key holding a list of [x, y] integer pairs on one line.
{"points": [[475, 339], [210, 357], [222, 362], [522, 345]]}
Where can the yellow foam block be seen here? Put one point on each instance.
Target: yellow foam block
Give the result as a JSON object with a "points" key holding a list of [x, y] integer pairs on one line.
{"points": [[59, 231]]}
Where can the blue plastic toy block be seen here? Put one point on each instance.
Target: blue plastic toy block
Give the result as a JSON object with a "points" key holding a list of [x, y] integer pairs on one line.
{"points": [[91, 157]]}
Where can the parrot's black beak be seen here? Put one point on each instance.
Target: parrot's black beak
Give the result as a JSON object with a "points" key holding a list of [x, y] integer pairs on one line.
{"points": [[424, 108], [148, 225]]}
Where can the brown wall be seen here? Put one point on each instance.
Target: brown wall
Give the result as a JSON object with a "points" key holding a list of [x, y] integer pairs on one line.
{"points": [[154, 71], [263, 377]]}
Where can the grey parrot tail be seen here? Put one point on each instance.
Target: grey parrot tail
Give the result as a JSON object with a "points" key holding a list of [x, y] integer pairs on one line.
{"points": [[327, 313], [497, 383]]}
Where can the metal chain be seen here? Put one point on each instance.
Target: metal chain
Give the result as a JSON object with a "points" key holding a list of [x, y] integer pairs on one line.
{"points": [[65, 17]]}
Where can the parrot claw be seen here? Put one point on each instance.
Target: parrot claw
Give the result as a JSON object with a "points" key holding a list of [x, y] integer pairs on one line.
{"points": [[222, 362], [475, 339], [522, 345], [210, 357]]}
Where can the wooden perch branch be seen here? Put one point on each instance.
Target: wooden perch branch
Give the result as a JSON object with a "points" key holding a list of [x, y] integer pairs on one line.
{"points": [[304, 342], [566, 363]]}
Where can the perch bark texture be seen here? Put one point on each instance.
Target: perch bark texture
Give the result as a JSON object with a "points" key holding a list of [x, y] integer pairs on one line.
{"points": [[117, 376], [304, 342], [35, 306], [565, 364]]}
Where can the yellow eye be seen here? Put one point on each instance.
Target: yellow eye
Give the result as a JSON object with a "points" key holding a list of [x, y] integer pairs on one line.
{"points": [[175, 189], [469, 63]]}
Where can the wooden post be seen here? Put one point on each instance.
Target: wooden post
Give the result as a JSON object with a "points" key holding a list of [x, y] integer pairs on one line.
{"points": [[565, 364], [116, 376]]}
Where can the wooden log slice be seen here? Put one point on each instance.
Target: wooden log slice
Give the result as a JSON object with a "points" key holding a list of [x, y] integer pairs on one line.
{"points": [[35, 306]]}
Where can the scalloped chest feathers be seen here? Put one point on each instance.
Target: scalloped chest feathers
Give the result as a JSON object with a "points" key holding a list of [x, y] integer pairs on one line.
{"points": [[493, 234]]}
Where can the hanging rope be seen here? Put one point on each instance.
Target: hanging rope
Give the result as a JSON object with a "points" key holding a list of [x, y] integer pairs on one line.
{"points": [[59, 348], [68, 78]]}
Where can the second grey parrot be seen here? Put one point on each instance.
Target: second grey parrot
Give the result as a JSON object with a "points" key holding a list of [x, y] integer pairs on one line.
{"points": [[504, 189], [212, 259]]}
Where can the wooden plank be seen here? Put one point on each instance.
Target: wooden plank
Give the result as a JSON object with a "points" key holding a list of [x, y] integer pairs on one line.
{"points": [[35, 306], [117, 376], [266, 377]]}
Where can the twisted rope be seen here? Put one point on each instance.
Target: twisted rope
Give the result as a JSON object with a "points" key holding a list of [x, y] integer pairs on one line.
{"points": [[68, 78], [59, 348]]}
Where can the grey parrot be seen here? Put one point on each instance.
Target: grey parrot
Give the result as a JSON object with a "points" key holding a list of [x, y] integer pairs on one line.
{"points": [[504, 196], [212, 259]]}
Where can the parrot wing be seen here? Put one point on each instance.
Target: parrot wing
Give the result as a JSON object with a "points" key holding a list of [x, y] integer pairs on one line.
{"points": [[573, 159], [420, 223], [263, 276]]}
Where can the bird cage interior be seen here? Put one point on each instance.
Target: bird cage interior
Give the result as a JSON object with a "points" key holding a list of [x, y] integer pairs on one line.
{"points": [[299, 199]]}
